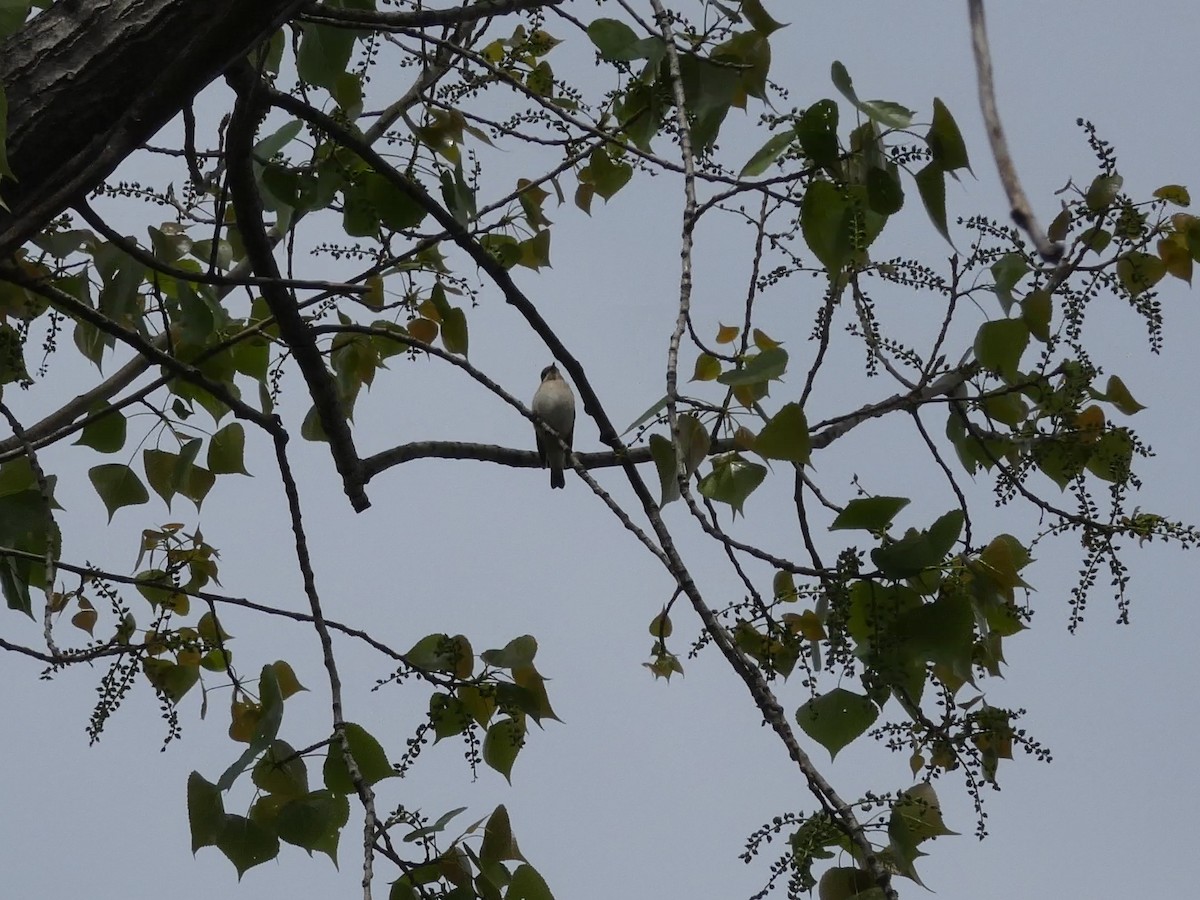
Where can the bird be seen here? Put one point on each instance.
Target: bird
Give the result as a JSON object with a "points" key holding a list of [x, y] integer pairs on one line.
{"points": [[554, 404]]}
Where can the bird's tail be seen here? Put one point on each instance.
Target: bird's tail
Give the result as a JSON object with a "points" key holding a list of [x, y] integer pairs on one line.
{"points": [[557, 479]]}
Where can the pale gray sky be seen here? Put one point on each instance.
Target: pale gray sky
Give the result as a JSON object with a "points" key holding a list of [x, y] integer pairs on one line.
{"points": [[649, 789]]}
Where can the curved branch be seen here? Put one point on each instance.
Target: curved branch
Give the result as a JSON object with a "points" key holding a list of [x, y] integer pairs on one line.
{"points": [[1022, 212], [248, 111]]}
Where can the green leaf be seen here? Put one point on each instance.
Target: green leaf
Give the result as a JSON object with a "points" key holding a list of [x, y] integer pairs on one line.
{"points": [[172, 680], [540, 80], [607, 176], [499, 845], [1139, 271], [535, 251], [447, 715], [919, 550], [768, 153], [368, 755], [267, 727], [662, 451], [12, 356], [106, 432], [528, 884], [941, 632], [817, 131], [324, 54], [1008, 270], [454, 331], [517, 653], [266, 148], [246, 843], [502, 743], [732, 480], [397, 209], [835, 719], [281, 771], [827, 223], [436, 828], [160, 472], [931, 185], [442, 653], [845, 883], [710, 89], [762, 367], [226, 450], [314, 822], [885, 112], [206, 812], [758, 18], [534, 700], [1036, 312], [869, 514], [1119, 396], [920, 812], [999, 345], [1103, 191], [117, 486], [615, 40], [785, 436], [885, 195], [1112, 456], [945, 140], [1060, 460], [693, 439]]}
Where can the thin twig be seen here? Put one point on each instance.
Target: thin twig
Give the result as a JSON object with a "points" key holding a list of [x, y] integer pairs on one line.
{"points": [[365, 794]]}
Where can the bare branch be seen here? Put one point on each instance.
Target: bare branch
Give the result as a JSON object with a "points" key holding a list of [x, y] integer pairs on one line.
{"points": [[248, 111], [1022, 212]]}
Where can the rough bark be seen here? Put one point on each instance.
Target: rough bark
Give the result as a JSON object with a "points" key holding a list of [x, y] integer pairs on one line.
{"points": [[88, 82]]}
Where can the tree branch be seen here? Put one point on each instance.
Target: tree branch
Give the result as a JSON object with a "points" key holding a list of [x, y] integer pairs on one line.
{"points": [[248, 111], [88, 83], [1022, 211], [340, 17]]}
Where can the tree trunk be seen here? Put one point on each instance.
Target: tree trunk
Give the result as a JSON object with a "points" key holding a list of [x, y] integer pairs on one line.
{"points": [[88, 82]]}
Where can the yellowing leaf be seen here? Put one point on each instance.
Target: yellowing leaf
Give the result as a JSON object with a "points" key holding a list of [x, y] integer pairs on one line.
{"points": [[1090, 423], [1119, 396], [424, 330], [707, 368], [763, 341], [1176, 256], [1174, 193], [726, 334], [374, 295]]}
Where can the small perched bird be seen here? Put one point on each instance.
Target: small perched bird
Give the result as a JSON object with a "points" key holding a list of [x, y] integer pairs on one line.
{"points": [[555, 404]]}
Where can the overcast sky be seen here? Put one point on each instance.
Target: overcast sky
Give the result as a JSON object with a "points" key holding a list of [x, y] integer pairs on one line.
{"points": [[649, 789]]}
